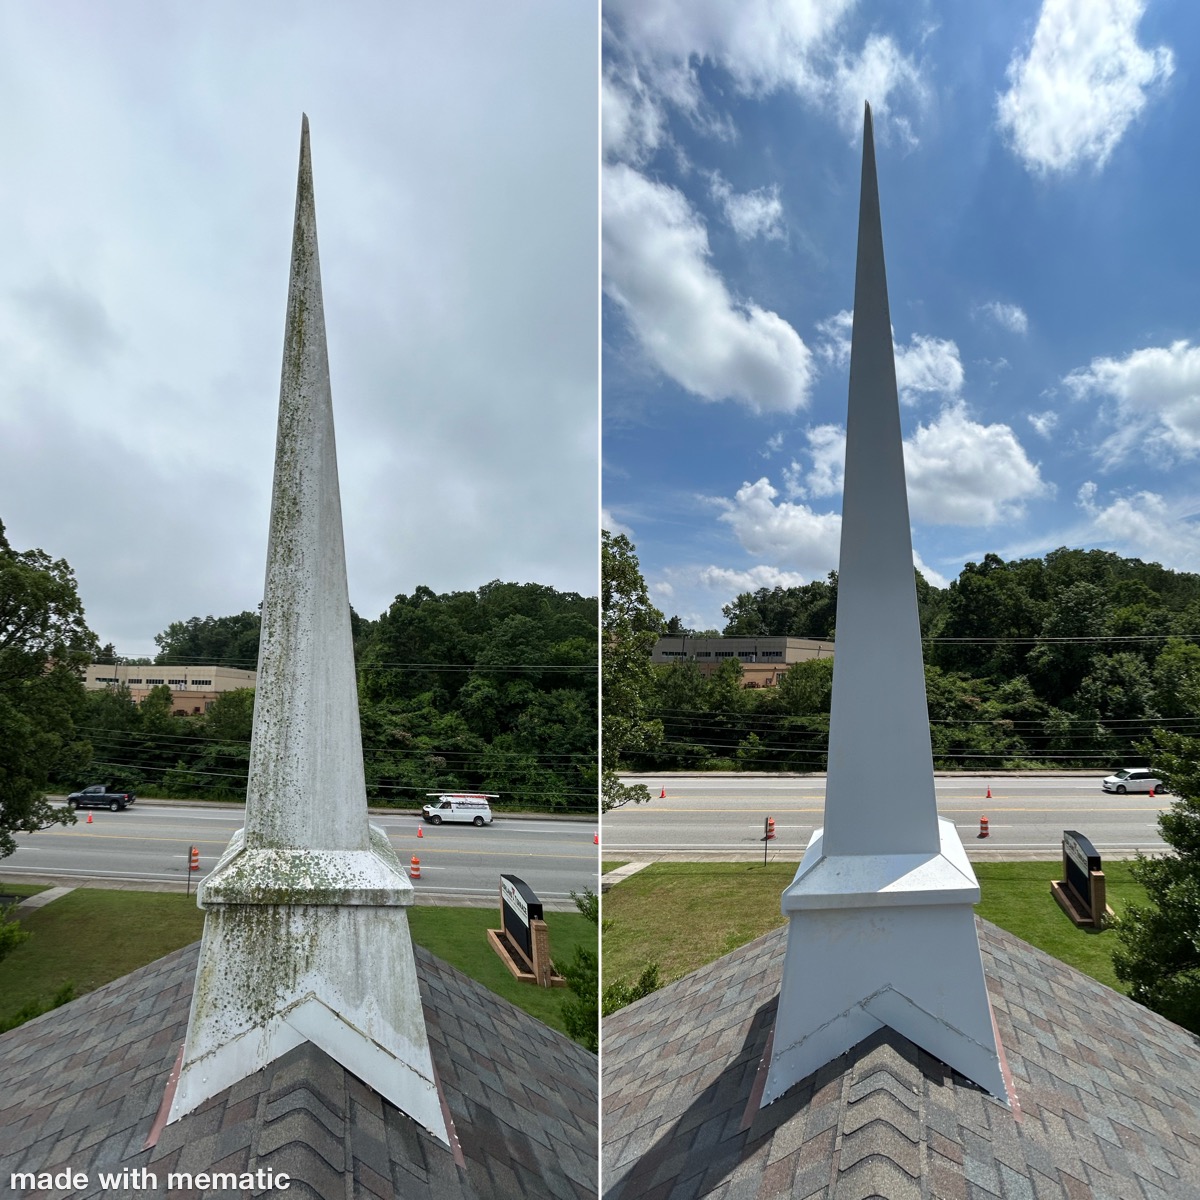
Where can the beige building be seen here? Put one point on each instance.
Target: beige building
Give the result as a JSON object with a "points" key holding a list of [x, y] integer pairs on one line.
{"points": [[763, 659], [193, 689]]}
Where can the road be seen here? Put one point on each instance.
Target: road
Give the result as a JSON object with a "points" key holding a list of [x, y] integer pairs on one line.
{"points": [[721, 817], [149, 844]]}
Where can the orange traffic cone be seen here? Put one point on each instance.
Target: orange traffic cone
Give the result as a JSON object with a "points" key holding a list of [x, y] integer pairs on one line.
{"points": [[420, 833], [415, 870], [1151, 793], [983, 827], [89, 820], [989, 795], [596, 838], [663, 794]]}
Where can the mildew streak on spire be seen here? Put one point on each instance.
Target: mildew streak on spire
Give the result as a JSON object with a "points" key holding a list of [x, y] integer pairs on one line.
{"points": [[306, 787]]}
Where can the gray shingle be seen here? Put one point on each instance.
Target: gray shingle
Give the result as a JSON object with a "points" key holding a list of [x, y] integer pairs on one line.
{"points": [[1109, 1092], [89, 1077]]}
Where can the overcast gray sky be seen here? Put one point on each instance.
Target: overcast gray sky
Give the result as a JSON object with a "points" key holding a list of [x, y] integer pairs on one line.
{"points": [[147, 183]]}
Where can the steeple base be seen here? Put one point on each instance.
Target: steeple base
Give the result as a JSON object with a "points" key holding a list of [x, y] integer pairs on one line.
{"points": [[316, 950], [883, 940]]}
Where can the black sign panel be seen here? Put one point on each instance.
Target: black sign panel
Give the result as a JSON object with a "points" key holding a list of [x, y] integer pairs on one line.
{"points": [[1080, 857], [520, 905]]}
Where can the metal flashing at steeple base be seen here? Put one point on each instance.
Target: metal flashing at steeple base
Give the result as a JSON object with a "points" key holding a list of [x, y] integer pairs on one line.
{"points": [[882, 940], [324, 956]]}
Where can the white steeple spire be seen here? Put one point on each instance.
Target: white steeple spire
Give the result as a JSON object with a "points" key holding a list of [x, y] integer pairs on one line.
{"points": [[305, 933], [306, 769], [881, 929]]}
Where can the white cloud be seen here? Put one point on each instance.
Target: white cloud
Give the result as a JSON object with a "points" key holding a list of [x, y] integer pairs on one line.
{"points": [[963, 473], [1009, 316], [632, 125], [1083, 81], [1144, 525], [751, 214], [926, 366], [959, 472], [657, 269], [835, 331], [1044, 423], [785, 533], [697, 593], [613, 525], [931, 576], [732, 582], [766, 46], [826, 470], [876, 74], [1157, 396]]}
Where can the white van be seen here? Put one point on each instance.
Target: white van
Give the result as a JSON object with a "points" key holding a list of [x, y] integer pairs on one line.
{"points": [[469, 807]]}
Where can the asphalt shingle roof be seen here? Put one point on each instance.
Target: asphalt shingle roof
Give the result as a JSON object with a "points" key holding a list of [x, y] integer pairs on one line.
{"points": [[80, 1088], [1109, 1097]]}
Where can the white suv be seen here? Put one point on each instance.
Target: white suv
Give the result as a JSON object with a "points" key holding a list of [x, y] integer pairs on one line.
{"points": [[471, 808]]}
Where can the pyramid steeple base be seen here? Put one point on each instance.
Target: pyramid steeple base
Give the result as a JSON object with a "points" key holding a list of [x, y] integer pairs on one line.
{"points": [[315, 949], [878, 940]]}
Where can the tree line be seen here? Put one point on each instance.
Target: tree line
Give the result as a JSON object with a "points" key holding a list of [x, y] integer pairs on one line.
{"points": [[489, 690], [1071, 660]]}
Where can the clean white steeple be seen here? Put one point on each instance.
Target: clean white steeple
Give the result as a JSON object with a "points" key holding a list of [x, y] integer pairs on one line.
{"points": [[881, 929]]}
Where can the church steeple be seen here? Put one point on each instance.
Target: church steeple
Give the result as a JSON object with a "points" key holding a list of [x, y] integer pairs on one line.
{"points": [[881, 929], [305, 934]]}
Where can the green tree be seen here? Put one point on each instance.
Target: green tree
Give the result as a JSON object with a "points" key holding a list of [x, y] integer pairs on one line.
{"points": [[11, 933], [806, 611], [581, 1009], [805, 689], [1158, 943], [1177, 678], [619, 994], [1060, 663], [44, 643], [230, 641], [630, 625]]}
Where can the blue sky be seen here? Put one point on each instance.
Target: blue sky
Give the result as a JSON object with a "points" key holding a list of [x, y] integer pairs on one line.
{"points": [[1037, 168]]}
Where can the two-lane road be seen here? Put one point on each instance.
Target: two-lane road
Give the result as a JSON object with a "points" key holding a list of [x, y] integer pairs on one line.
{"points": [[149, 843], [721, 817]]}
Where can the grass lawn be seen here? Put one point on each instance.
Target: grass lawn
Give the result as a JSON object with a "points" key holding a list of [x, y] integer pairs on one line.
{"points": [[459, 936], [21, 889], [714, 908], [92, 936], [1016, 896]]}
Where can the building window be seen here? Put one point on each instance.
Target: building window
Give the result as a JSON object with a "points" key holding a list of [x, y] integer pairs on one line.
{"points": [[152, 681], [177, 682], [198, 683], [724, 653], [135, 681]]}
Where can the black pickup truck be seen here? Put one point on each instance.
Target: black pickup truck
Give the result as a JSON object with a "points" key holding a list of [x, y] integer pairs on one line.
{"points": [[98, 796]]}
